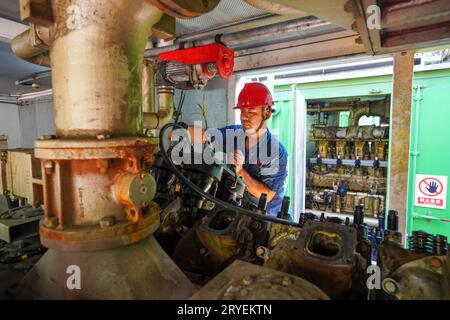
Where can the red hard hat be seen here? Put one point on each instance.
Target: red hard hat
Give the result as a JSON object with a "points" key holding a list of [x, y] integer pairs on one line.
{"points": [[254, 95]]}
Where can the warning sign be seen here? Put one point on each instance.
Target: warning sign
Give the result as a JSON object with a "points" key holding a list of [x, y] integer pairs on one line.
{"points": [[431, 191]]}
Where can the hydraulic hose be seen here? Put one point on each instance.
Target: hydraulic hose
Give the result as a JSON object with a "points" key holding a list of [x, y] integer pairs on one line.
{"points": [[219, 202]]}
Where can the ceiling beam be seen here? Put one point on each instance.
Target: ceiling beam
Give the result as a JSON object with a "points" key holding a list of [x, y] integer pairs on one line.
{"points": [[413, 13], [311, 49], [10, 29]]}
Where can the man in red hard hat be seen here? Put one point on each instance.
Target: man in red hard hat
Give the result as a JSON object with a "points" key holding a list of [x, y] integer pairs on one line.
{"points": [[260, 159]]}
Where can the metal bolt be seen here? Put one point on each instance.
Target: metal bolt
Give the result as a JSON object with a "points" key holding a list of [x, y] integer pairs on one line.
{"points": [[47, 137], [244, 292], [247, 280], [390, 286], [107, 222], [143, 189], [51, 222], [103, 136], [286, 281], [203, 252], [436, 263], [179, 229], [260, 251], [48, 167], [144, 203]]}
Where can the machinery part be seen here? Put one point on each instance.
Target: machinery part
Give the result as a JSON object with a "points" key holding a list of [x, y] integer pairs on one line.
{"points": [[392, 221], [205, 177], [325, 254], [32, 45], [148, 86], [20, 223], [144, 277], [5, 203], [206, 195], [331, 200], [262, 203], [421, 241], [185, 9], [358, 217], [284, 211], [440, 245], [305, 217], [218, 240], [193, 67], [391, 234], [348, 162], [427, 278], [245, 281], [165, 93], [217, 235], [231, 189], [97, 195], [164, 177], [100, 173]]}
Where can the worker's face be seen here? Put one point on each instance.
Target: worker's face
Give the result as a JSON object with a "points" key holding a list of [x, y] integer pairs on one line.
{"points": [[251, 119]]}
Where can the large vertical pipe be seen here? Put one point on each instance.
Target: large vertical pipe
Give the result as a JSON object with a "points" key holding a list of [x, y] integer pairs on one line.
{"points": [[400, 136], [97, 65]]}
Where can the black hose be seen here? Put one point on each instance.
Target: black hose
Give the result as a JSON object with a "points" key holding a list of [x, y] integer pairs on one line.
{"points": [[208, 196]]}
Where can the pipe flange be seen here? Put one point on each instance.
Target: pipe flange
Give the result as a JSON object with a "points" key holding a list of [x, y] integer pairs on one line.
{"points": [[84, 149], [107, 234]]}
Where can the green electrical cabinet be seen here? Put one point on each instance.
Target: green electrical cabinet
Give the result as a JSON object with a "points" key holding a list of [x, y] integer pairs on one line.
{"points": [[429, 150]]}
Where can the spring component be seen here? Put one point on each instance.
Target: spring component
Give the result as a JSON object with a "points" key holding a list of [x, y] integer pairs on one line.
{"points": [[440, 245], [421, 241], [305, 217]]}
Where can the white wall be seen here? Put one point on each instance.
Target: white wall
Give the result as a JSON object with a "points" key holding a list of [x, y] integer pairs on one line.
{"points": [[24, 124], [36, 119], [10, 124], [217, 105]]}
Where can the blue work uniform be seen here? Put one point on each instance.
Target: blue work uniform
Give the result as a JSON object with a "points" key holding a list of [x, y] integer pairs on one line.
{"points": [[266, 161]]}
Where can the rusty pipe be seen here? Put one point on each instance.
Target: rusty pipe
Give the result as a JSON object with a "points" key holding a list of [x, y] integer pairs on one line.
{"points": [[148, 86], [356, 114], [156, 120], [97, 66], [42, 59], [31, 45]]}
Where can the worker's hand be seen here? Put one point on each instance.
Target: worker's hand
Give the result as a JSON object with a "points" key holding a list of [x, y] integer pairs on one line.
{"points": [[238, 160]]}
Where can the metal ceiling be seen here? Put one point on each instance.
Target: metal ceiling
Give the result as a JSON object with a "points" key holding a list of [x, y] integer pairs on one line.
{"points": [[9, 9]]}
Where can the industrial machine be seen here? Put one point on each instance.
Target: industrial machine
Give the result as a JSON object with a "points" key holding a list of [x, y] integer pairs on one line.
{"points": [[349, 164], [137, 225]]}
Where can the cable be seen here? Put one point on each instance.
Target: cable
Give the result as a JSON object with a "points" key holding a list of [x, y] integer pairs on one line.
{"points": [[206, 195], [180, 105]]}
